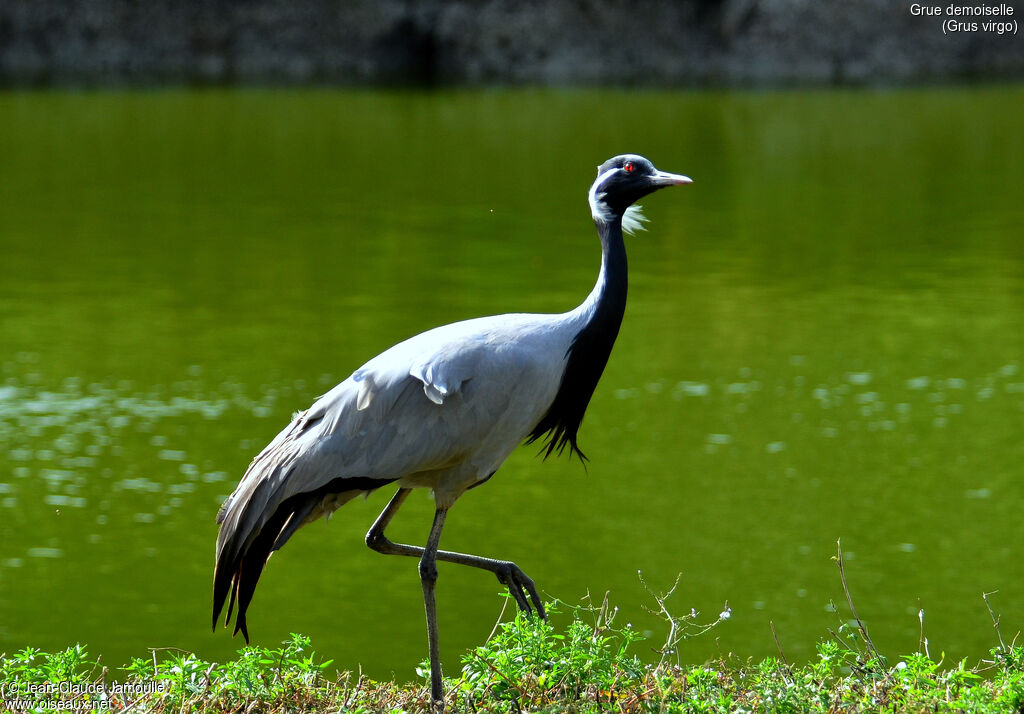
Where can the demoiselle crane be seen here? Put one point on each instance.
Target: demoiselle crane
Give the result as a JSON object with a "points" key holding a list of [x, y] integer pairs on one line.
{"points": [[441, 410]]}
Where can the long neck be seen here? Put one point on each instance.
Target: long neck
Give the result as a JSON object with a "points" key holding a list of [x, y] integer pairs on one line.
{"points": [[606, 303], [599, 318]]}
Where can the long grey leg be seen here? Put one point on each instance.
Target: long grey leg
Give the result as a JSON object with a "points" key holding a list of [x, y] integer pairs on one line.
{"points": [[428, 577], [376, 532], [508, 573]]}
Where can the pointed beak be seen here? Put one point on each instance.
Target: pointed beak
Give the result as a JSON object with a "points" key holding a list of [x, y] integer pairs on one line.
{"points": [[660, 179]]}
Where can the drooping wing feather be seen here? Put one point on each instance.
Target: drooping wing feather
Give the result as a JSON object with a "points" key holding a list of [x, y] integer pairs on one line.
{"points": [[456, 399]]}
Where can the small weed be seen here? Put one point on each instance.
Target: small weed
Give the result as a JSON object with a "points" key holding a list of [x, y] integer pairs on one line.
{"points": [[529, 664]]}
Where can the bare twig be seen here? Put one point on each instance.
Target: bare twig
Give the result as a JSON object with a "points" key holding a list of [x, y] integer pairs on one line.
{"points": [[849, 600], [672, 639], [840, 640], [360, 678], [605, 615], [995, 621], [922, 643], [778, 644], [678, 626], [103, 683], [497, 623]]}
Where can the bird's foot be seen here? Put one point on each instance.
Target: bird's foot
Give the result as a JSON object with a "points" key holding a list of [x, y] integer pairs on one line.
{"points": [[520, 586]]}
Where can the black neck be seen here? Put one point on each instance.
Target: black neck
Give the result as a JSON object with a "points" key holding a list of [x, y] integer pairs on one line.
{"points": [[588, 354]]}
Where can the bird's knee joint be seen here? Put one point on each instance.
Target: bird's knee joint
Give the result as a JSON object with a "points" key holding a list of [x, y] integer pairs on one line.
{"points": [[375, 539], [428, 571]]}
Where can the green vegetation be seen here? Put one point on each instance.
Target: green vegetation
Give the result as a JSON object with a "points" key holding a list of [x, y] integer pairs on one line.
{"points": [[528, 665]]}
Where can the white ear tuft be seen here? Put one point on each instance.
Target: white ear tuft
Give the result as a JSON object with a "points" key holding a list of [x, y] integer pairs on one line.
{"points": [[633, 220]]}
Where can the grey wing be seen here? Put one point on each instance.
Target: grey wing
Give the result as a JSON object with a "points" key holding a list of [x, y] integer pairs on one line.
{"points": [[299, 476], [415, 408]]}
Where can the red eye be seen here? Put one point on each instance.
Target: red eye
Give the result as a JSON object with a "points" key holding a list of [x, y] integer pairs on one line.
{"points": [[628, 167]]}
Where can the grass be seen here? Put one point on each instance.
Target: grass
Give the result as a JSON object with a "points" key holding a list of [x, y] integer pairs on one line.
{"points": [[527, 665]]}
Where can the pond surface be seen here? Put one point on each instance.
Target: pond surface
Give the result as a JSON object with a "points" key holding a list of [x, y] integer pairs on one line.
{"points": [[824, 340]]}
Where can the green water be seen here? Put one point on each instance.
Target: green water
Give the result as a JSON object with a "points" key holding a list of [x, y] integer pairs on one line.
{"points": [[824, 340]]}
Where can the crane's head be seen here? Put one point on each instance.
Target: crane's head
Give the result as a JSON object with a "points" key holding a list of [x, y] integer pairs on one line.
{"points": [[623, 180]]}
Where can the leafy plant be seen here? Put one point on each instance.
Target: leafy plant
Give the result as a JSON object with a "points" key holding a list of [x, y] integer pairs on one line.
{"points": [[529, 662], [585, 667]]}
